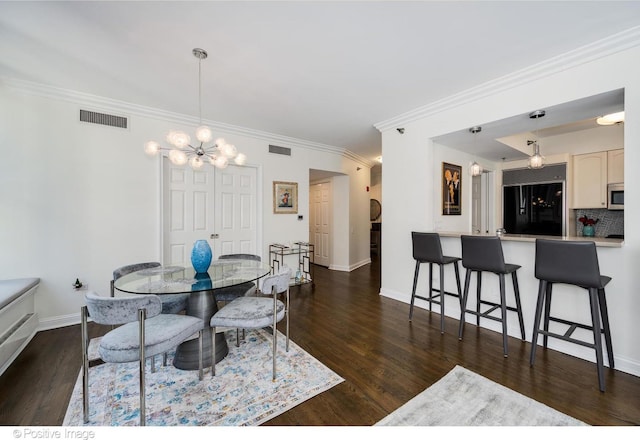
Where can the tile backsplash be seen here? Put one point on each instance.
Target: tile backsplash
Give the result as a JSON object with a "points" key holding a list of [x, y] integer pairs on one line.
{"points": [[609, 222]]}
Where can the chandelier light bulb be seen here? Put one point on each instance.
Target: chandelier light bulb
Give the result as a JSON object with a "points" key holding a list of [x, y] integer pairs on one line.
{"points": [[151, 148], [221, 162], [230, 151], [178, 157], [196, 162], [240, 159], [204, 134]]}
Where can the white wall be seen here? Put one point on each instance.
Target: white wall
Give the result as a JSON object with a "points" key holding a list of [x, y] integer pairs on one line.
{"points": [[417, 178], [78, 200]]}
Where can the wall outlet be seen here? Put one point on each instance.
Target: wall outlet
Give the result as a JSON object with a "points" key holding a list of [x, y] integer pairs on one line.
{"points": [[79, 285]]}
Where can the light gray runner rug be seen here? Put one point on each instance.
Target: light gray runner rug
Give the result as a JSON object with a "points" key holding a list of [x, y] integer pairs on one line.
{"points": [[464, 398]]}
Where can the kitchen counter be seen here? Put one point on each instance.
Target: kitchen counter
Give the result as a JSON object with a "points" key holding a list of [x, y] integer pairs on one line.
{"points": [[599, 241]]}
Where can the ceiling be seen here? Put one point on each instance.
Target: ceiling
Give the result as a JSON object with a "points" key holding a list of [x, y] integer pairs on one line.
{"points": [[324, 72]]}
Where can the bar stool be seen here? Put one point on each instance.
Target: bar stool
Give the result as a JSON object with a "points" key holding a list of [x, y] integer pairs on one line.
{"points": [[484, 254], [428, 249], [574, 263]]}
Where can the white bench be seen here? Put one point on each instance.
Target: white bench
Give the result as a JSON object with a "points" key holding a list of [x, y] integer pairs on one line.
{"points": [[18, 319]]}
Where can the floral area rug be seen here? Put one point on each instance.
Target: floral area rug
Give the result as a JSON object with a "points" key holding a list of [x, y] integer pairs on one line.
{"points": [[241, 394]]}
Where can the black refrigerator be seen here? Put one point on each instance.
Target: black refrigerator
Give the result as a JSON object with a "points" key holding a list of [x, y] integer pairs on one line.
{"points": [[533, 209]]}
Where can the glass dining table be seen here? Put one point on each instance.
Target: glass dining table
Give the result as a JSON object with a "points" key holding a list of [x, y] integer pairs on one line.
{"points": [[201, 302]]}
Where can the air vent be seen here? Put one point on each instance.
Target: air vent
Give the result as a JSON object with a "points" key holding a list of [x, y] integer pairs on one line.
{"points": [[279, 150], [103, 119]]}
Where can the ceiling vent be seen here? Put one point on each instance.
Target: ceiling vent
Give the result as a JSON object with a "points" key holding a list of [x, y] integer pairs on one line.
{"points": [[103, 119], [279, 150]]}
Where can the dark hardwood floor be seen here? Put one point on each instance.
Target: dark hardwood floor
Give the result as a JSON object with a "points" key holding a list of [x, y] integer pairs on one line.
{"points": [[368, 340]]}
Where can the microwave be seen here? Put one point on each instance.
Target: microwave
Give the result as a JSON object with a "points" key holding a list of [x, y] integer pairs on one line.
{"points": [[615, 196]]}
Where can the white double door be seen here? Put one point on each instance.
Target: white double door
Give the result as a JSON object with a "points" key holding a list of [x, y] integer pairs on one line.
{"points": [[219, 206]]}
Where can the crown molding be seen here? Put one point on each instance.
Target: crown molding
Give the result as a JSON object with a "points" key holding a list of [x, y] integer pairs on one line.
{"points": [[131, 109], [602, 48]]}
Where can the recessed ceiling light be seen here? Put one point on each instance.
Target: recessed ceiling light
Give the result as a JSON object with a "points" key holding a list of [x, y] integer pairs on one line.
{"points": [[611, 119]]}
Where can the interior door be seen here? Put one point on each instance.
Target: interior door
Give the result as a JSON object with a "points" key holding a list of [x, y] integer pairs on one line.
{"points": [[320, 222], [219, 206]]}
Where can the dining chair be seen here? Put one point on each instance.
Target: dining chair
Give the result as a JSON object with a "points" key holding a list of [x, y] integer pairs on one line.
{"points": [[227, 294], [143, 332], [171, 303], [230, 293], [256, 312]]}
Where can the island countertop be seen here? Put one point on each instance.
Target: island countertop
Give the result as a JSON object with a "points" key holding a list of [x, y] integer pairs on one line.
{"points": [[599, 241]]}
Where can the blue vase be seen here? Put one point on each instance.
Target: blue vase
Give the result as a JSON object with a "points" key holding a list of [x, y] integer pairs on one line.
{"points": [[588, 231], [201, 256]]}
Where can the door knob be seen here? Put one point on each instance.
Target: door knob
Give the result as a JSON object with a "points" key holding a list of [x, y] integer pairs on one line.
{"points": [[213, 236]]}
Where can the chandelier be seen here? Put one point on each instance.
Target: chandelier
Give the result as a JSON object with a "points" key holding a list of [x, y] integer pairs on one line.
{"points": [[218, 154], [537, 160]]}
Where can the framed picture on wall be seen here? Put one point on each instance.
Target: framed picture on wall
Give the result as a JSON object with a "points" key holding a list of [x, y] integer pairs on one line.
{"points": [[285, 198], [451, 189]]}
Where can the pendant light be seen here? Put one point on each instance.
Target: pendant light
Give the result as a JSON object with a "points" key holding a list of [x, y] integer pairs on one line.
{"points": [[475, 169], [537, 160], [218, 154]]}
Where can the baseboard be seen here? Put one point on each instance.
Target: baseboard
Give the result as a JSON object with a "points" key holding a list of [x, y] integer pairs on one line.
{"points": [[350, 267], [59, 321]]}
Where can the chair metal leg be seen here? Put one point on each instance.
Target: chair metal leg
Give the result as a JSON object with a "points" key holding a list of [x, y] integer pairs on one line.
{"points": [[85, 363], [152, 360], [516, 291], [431, 287], [542, 288], [597, 335], [287, 313], [141, 317], [442, 295], [413, 292], [605, 324], [238, 337], [478, 290], [503, 309], [457, 269], [467, 279], [275, 333], [547, 313], [213, 351], [164, 359]]}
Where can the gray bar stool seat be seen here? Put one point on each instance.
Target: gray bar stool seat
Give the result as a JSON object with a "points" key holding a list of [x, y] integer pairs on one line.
{"points": [[484, 254], [427, 248], [573, 263]]}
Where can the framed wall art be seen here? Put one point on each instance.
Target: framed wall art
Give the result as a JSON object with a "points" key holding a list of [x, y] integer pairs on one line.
{"points": [[285, 198], [451, 189]]}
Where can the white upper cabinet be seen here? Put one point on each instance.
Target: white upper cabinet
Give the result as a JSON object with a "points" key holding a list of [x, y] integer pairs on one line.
{"points": [[590, 180], [615, 166]]}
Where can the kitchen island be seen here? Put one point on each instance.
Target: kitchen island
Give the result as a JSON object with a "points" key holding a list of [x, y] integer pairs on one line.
{"points": [[569, 302]]}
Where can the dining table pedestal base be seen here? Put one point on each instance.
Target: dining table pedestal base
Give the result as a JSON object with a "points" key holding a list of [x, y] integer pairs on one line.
{"points": [[202, 305]]}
